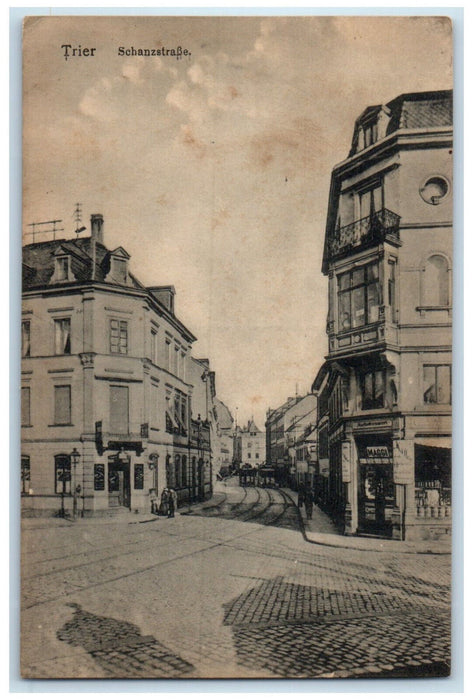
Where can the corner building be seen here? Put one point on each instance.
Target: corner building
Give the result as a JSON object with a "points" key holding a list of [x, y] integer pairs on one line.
{"points": [[386, 381], [108, 385]]}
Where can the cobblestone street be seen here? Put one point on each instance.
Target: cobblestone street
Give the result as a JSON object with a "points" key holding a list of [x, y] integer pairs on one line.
{"points": [[228, 588]]}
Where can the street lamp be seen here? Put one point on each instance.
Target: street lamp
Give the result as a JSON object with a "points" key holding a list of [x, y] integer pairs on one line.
{"points": [[74, 459]]}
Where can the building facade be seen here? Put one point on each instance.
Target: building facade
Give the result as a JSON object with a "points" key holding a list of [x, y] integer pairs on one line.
{"points": [[114, 407], [385, 390], [223, 456], [285, 425], [252, 448]]}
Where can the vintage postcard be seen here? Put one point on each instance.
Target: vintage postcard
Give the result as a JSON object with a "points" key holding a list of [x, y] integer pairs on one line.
{"points": [[236, 379]]}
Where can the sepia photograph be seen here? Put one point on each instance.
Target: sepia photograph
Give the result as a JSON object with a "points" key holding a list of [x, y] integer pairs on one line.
{"points": [[236, 347]]}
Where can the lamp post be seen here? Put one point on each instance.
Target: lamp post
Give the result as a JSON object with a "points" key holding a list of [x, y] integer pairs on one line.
{"points": [[74, 459]]}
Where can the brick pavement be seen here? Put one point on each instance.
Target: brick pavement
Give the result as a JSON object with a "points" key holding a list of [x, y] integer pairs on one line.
{"points": [[227, 597]]}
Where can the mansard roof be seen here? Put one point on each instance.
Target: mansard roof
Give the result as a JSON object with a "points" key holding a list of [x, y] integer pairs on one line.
{"points": [[39, 262]]}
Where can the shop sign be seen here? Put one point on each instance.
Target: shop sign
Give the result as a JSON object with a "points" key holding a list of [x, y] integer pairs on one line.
{"points": [[373, 424], [378, 451], [346, 462], [403, 461]]}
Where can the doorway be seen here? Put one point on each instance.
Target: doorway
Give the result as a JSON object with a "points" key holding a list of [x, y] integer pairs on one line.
{"points": [[376, 499], [119, 492]]}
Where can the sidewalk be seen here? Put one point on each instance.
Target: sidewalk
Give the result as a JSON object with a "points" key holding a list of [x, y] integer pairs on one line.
{"points": [[321, 530]]}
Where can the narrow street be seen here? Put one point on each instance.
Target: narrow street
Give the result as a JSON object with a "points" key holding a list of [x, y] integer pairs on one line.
{"points": [[228, 588]]}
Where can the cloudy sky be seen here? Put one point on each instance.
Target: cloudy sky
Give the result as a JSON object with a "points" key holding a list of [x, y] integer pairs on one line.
{"points": [[213, 171]]}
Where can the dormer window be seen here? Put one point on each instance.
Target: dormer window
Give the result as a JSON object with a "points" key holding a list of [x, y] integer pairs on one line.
{"points": [[370, 134], [62, 267], [120, 271]]}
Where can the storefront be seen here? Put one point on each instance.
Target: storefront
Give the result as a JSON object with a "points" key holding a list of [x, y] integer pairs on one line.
{"points": [[376, 494]]}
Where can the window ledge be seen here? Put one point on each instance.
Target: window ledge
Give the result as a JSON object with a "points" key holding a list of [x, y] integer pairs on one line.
{"points": [[423, 309], [60, 425], [27, 425]]}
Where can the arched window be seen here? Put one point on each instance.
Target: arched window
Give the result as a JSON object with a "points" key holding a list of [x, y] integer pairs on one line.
{"points": [[169, 472], [177, 470], [436, 282]]}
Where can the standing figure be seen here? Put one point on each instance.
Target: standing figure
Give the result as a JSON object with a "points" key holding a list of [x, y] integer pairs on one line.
{"points": [[164, 507], [172, 503]]}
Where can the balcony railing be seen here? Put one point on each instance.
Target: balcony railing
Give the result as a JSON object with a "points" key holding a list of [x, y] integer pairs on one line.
{"points": [[368, 231]]}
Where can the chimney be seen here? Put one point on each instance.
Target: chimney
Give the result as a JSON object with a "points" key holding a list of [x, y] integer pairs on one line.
{"points": [[96, 227]]}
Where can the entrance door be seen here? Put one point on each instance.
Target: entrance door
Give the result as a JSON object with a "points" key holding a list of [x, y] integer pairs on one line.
{"points": [[119, 483], [376, 499]]}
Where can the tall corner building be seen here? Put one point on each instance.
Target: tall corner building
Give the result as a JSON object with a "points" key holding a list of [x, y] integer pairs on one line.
{"points": [[385, 388], [113, 405]]}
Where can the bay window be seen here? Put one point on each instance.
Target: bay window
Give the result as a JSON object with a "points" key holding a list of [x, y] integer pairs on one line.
{"points": [[359, 297]]}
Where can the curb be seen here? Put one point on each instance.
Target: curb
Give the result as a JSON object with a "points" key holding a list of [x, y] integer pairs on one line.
{"points": [[351, 543]]}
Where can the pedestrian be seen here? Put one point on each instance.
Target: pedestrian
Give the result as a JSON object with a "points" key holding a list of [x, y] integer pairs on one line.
{"points": [[172, 504], [164, 507], [308, 505]]}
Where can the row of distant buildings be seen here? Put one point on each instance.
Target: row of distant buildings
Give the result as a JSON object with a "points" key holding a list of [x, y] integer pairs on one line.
{"points": [[114, 406], [373, 438]]}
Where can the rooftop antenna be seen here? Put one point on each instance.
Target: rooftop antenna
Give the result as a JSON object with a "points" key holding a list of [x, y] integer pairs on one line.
{"points": [[78, 219], [38, 230]]}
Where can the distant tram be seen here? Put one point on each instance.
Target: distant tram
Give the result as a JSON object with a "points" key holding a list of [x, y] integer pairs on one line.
{"points": [[263, 476]]}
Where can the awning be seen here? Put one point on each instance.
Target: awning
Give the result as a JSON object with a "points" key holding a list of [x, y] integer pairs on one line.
{"points": [[444, 441]]}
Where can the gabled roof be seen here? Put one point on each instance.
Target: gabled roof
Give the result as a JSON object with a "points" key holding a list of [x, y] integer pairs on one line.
{"points": [[224, 416], [121, 252]]}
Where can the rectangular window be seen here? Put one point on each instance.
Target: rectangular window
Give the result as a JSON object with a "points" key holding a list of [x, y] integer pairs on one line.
{"points": [[62, 336], [373, 389], [392, 289], [370, 134], [168, 355], [25, 406], [371, 201], [119, 271], [62, 268], [154, 346], [25, 475], [119, 337], [257, 455], [62, 405], [175, 361], [184, 471], [184, 412], [99, 477], [359, 297], [139, 476], [119, 410], [25, 338], [437, 384], [154, 401]]}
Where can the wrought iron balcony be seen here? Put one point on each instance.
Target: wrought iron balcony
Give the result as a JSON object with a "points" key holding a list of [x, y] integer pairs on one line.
{"points": [[370, 230]]}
